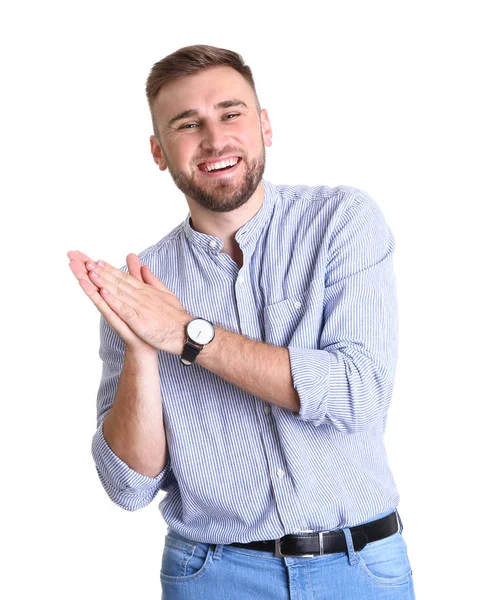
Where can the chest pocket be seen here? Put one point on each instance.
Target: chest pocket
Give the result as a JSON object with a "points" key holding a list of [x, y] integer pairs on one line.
{"points": [[282, 318]]}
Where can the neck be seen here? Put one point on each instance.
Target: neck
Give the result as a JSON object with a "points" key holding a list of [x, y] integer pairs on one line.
{"points": [[224, 225]]}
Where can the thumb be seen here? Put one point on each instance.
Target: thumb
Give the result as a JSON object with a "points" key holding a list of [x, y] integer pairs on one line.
{"points": [[151, 279], [134, 266]]}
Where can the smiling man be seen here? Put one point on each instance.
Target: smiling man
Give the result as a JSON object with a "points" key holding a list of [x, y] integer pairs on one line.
{"points": [[249, 360], [217, 183], [210, 133]]}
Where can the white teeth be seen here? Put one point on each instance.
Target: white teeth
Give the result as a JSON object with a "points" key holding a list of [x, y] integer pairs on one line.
{"points": [[221, 165]]}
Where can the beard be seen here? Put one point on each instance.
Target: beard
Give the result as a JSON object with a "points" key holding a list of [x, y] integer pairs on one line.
{"points": [[222, 195]]}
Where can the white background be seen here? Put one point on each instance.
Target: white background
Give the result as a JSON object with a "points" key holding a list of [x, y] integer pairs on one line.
{"points": [[395, 98]]}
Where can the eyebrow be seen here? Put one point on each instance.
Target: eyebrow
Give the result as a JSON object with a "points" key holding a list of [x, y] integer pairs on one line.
{"points": [[193, 112]]}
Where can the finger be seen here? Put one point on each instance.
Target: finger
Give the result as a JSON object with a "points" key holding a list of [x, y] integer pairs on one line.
{"points": [[79, 271], [118, 288], [151, 279], [121, 307], [134, 266], [77, 265], [112, 275], [77, 255], [117, 324]]}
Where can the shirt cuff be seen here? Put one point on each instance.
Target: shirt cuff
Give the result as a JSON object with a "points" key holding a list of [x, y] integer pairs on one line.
{"points": [[311, 379], [116, 474]]}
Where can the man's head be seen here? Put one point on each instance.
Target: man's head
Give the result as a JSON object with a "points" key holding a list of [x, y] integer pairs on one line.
{"points": [[206, 115]]}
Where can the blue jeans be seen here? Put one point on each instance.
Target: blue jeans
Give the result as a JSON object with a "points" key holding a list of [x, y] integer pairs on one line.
{"points": [[198, 571]]}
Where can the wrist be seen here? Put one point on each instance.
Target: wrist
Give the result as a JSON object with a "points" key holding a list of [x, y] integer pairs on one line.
{"points": [[200, 334], [141, 352], [211, 350]]}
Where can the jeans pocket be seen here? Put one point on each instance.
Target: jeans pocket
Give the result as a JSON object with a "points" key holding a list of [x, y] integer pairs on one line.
{"points": [[386, 561], [183, 561]]}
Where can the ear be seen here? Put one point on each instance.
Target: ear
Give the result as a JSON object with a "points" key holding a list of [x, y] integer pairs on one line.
{"points": [[267, 132], [157, 154]]}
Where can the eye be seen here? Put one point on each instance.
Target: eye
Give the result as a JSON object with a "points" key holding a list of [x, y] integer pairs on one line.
{"points": [[188, 126], [231, 116]]}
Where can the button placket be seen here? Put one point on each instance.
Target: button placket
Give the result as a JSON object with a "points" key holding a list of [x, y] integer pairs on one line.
{"points": [[284, 491]]}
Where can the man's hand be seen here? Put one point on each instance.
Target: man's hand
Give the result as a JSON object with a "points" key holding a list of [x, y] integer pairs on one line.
{"points": [[137, 305], [77, 264]]}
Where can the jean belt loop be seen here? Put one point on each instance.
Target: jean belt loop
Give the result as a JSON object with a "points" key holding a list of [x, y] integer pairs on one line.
{"points": [[353, 558], [401, 527], [218, 551]]}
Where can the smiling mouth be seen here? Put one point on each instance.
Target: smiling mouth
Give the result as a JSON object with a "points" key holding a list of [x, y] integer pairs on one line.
{"points": [[221, 165]]}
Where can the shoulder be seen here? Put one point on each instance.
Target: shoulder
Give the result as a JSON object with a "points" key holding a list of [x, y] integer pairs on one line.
{"points": [[337, 201], [329, 213], [321, 194]]}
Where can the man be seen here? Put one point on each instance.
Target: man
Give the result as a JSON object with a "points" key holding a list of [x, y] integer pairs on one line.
{"points": [[248, 362]]}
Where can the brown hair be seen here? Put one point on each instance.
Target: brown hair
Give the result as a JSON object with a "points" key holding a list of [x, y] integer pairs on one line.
{"points": [[189, 61]]}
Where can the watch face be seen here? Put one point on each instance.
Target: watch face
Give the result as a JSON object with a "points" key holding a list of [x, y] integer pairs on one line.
{"points": [[200, 331]]}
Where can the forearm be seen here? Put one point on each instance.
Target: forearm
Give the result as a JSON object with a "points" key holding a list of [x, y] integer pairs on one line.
{"points": [[257, 368], [134, 427]]}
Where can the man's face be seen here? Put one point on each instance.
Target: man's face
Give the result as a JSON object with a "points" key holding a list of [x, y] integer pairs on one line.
{"points": [[212, 137]]}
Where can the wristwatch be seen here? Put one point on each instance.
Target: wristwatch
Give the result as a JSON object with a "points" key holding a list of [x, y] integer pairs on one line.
{"points": [[199, 333]]}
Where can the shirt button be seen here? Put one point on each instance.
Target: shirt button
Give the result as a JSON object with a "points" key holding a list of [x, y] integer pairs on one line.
{"points": [[267, 410], [298, 304], [212, 244], [280, 473]]}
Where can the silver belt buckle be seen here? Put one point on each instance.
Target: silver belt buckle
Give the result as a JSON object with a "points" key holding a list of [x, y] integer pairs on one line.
{"points": [[280, 554]]}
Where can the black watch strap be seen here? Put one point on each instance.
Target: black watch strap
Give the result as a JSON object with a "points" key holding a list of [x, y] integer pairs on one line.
{"points": [[190, 352]]}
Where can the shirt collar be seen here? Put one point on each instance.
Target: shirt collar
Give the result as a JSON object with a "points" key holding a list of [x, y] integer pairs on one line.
{"points": [[246, 235]]}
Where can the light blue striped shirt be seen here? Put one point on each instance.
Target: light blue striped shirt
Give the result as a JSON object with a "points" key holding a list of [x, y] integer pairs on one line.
{"points": [[317, 278]]}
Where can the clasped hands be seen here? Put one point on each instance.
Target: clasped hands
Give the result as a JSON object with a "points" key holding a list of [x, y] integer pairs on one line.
{"points": [[138, 306]]}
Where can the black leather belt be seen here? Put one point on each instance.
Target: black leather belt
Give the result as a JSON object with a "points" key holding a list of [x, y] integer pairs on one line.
{"points": [[326, 542]]}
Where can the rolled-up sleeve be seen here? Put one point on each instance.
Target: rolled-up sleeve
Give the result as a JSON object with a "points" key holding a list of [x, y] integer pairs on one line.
{"points": [[127, 488], [348, 381]]}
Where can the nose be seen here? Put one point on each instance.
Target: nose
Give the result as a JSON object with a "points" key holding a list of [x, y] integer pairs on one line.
{"points": [[214, 137]]}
